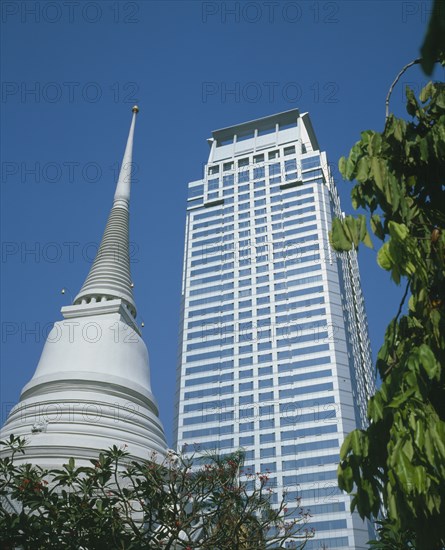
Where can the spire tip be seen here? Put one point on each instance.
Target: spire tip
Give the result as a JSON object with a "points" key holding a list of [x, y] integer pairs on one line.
{"points": [[135, 109]]}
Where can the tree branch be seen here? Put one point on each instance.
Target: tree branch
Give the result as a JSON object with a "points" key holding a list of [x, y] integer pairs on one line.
{"points": [[405, 68]]}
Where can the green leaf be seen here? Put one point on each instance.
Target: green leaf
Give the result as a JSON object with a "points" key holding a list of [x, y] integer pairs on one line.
{"points": [[342, 166], [384, 258], [375, 408], [338, 238], [398, 230], [363, 167], [426, 92], [429, 362], [378, 168], [376, 226]]}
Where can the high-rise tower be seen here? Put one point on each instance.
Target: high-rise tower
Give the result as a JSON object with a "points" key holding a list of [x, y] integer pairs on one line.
{"points": [[91, 388], [274, 352]]}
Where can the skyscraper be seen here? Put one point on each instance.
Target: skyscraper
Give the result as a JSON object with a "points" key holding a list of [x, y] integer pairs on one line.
{"points": [[91, 388], [274, 354]]}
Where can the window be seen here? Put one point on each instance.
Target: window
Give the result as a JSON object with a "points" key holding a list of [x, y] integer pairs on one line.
{"points": [[196, 191], [269, 452], [267, 438], [218, 430], [304, 432], [246, 440], [245, 314], [310, 162], [313, 446], [262, 346], [273, 155], [264, 370], [245, 399], [213, 169], [229, 180], [243, 162], [213, 184], [246, 413], [244, 293], [243, 176], [266, 424], [245, 427], [290, 165], [245, 361], [258, 158], [291, 392], [258, 173], [267, 396], [289, 150], [227, 166]]}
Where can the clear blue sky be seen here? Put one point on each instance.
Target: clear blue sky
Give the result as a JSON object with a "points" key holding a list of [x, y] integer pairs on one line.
{"points": [[192, 67]]}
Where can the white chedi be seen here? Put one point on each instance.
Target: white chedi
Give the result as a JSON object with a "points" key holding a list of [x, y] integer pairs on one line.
{"points": [[91, 388]]}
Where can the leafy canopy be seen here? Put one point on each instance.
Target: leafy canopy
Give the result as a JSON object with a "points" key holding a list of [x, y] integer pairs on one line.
{"points": [[119, 503], [399, 460]]}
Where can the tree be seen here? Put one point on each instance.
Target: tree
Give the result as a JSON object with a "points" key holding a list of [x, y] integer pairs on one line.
{"points": [[399, 460], [159, 504]]}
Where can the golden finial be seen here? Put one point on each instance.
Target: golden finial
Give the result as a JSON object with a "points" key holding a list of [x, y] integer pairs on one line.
{"points": [[135, 109]]}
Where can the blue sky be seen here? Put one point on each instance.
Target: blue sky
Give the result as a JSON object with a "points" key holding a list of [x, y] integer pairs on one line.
{"points": [[71, 72]]}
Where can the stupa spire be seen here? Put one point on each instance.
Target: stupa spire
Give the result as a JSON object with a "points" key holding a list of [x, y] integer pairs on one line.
{"points": [[110, 277]]}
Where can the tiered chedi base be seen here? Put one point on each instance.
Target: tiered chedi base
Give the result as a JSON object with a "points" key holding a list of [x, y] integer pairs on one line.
{"points": [[91, 390]]}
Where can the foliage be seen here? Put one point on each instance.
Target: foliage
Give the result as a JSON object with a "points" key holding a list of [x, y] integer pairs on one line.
{"points": [[118, 503], [400, 458]]}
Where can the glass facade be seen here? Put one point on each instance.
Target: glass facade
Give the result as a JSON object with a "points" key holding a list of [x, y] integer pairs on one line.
{"points": [[274, 353]]}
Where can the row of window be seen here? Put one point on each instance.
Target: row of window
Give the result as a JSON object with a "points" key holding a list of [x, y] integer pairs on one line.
{"points": [[285, 320], [244, 248], [306, 162], [222, 263], [287, 354], [222, 214], [265, 331], [263, 327], [216, 390], [267, 398], [249, 440], [225, 220], [257, 412]]}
